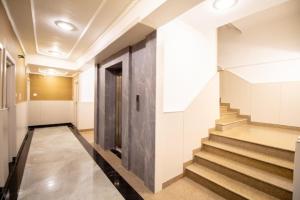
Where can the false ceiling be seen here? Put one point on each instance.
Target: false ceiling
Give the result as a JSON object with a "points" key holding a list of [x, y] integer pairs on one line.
{"points": [[34, 22]]}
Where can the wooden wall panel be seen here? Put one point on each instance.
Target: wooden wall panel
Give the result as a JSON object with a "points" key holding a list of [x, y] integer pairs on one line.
{"points": [[10, 42], [50, 87]]}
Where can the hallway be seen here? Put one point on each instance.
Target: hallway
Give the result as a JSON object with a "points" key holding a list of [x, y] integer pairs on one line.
{"points": [[149, 99], [58, 167]]}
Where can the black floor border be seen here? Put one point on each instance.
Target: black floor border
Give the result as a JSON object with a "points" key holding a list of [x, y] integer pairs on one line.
{"points": [[49, 125], [118, 181], [117, 153], [11, 189]]}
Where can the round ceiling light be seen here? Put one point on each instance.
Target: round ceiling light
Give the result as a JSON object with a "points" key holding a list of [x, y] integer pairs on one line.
{"points": [[224, 4], [66, 26]]}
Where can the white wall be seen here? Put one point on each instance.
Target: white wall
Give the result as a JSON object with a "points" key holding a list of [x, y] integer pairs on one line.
{"points": [[275, 103], [4, 158], [86, 83], [268, 47], [85, 105], [187, 95], [186, 75], [22, 122], [50, 112]]}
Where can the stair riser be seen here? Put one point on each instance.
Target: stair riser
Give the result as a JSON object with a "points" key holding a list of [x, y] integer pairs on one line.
{"points": [[228, 116], [258, 184], [223, 108], [229, 126], [249, 161], [283, 154], [227, 194]]}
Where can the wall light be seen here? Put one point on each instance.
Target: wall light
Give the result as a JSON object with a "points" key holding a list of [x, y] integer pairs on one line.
{"points": [[224, 4], [66, 26]]}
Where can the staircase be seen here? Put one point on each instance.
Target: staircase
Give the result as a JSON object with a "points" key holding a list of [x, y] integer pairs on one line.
{"points": [[238, 161]]}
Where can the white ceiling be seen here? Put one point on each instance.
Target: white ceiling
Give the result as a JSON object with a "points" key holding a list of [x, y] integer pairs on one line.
{"points": [[34, 21], [204, 15]]}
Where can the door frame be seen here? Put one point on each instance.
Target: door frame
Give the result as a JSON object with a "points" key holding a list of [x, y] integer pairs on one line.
{"points": [[10, 103], [76, 98]]}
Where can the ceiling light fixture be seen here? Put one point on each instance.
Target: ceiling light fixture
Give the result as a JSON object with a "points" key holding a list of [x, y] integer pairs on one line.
{"points": [[66, 26], [224, 4]]}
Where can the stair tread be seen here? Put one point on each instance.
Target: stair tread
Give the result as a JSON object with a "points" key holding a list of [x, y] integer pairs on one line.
{"points": [[228, 183], [251, 154], [230, 121], [253, 172], [279, 138]]}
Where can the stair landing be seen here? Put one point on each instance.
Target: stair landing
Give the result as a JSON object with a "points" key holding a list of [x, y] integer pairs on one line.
{"points": [[280, 138]]}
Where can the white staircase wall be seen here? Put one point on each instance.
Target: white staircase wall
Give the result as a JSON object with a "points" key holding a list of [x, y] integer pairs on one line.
{"points": [[275, 103], [268, 47], [187, 95]]}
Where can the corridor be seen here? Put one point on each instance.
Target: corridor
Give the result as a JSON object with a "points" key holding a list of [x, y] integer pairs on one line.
{"points": [[149, 100], [58, 167]]}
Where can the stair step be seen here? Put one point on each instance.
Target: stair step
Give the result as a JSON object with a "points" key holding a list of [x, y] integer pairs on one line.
{"points": [[229, 114], [276, 182], [251, 154], [262, 136], [237, 189], [225, 124], [223, 108]]}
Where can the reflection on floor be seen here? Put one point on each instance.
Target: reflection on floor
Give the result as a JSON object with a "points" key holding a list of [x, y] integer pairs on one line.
{"points": [[58, 167], [88, 135], [184, 189]]}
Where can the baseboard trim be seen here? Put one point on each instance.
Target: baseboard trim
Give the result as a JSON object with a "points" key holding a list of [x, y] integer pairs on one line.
{"points": [[49, 125], [275, 125], [261, 123], [178, 177], [12, 185], [172, 180], [85, 130]]}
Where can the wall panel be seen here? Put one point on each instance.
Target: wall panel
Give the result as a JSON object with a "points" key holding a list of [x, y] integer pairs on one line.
{"points": [[275, 103], [50, 87], [50, 112]]}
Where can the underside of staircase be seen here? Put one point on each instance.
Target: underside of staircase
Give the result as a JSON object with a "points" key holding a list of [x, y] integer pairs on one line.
{"points": [[243, 161]]}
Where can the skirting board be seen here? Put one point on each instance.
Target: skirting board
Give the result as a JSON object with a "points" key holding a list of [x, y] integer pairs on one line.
{"points": [[261, 123], [85, 130], [275, 125], [178, 177]]}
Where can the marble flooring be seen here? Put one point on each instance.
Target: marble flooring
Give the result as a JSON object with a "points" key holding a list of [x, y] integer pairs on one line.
{"points": [[58, 167], [183, 189]]}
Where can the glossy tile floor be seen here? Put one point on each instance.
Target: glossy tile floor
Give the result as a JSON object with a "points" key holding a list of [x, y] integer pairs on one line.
{"points": [[58, 167]]}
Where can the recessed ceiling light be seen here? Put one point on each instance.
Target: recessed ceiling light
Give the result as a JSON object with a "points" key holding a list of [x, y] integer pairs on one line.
{"points": [[66, 26], [224, 4]]}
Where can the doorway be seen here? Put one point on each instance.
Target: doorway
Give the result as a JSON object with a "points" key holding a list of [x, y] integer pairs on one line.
{"points": [[10, 103], [114, 105]]}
